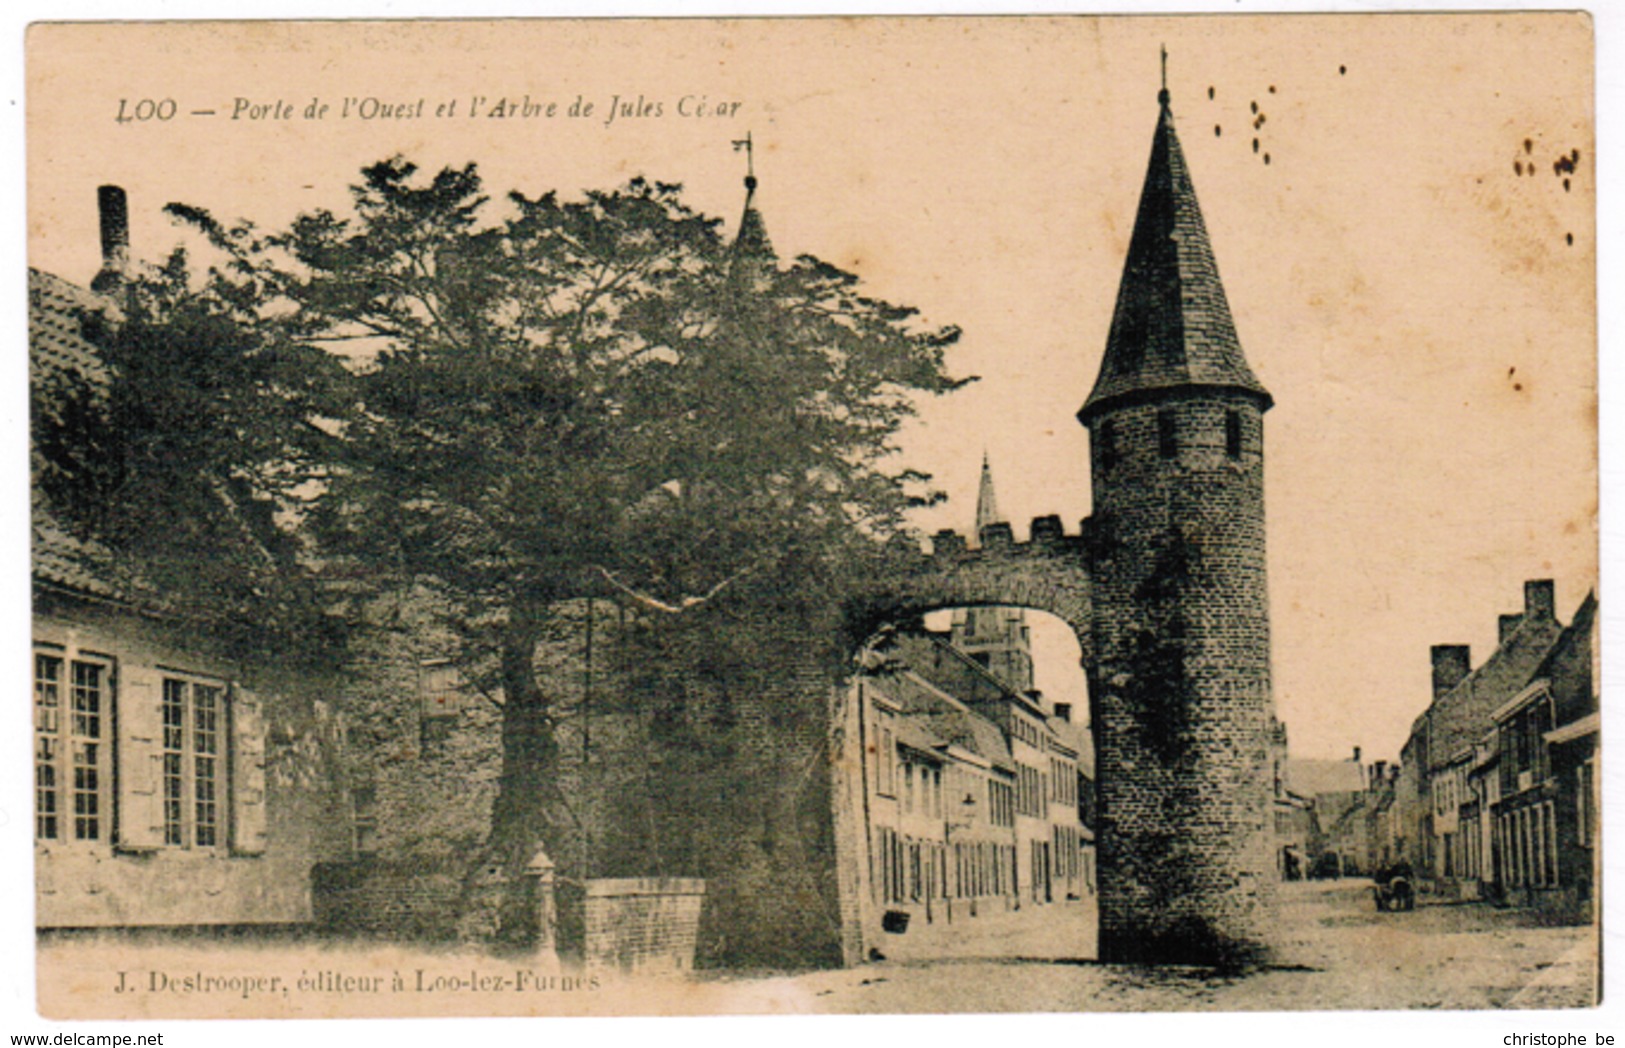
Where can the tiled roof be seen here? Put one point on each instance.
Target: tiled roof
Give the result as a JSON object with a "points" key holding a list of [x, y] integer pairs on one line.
{"points": [[1311, 778], [55, 344], [54, 339], [1172, 327], [66, 562], [935, 718], [1458, 717]]}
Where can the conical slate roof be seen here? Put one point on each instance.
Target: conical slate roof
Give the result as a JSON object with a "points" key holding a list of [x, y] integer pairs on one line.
{"points": [[1172, 326]]}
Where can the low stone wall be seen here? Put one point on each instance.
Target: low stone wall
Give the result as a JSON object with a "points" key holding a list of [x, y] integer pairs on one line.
{"points": [[634, 924]]}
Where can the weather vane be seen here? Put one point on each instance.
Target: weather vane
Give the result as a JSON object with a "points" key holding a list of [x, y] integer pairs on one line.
{"points": [[750, 159]]}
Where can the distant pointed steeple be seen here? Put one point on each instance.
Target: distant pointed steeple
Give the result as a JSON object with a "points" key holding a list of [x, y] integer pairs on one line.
{"points": [[751, 242], [1172, 327], [987, 505]]}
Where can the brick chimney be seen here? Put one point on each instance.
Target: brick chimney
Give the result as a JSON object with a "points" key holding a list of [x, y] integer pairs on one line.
{"points": [[1508, 625], [1539, 600], [1356, 757], [1451, 662], [1063, 710], [115, 216]]}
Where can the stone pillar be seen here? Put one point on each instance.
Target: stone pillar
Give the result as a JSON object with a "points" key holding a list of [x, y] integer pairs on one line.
{"points": [[540, 872]]}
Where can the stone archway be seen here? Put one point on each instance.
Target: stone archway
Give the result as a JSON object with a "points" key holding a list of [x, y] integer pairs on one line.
{"points": [[1180, 821], [1049, 573]]}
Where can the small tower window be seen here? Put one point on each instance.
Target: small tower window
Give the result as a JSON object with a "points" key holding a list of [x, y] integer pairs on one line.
{"points": [[1232, 434], [1167, 445], [1108, 444]]}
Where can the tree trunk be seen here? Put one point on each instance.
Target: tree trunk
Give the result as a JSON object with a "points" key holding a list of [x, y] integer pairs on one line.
{"points": [[530, 814]]}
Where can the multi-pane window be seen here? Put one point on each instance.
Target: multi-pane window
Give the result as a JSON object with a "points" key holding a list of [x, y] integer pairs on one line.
{"points": [[71, 757], [888, 763], [193, 787], [47, 745]]}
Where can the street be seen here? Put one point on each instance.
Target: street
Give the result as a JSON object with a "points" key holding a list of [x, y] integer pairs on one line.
{"points": [[1336, 952]]}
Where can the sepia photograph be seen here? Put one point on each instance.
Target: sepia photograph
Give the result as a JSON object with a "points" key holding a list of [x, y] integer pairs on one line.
{"points": [[858, 515]]}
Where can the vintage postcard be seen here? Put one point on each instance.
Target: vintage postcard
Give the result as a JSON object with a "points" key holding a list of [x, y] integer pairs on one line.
{"points": [[858, 515]]}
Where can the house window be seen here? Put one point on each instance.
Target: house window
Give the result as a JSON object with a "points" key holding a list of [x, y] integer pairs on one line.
{"points": [[193, 781], [71, 759], [1548, 849], [1583, 810]]}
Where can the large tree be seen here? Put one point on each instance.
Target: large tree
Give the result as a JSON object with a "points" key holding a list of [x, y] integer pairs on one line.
{"points": [[184, 456], [553, 398]]}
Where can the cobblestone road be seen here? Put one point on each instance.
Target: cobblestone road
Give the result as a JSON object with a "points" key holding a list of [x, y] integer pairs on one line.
{"points": [[1336, 952]]}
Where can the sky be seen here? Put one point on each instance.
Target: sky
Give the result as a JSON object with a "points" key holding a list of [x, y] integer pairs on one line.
{"points": [[1400, 282]]}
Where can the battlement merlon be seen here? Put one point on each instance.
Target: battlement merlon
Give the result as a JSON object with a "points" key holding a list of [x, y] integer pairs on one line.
{"points": [[1045, 533]]}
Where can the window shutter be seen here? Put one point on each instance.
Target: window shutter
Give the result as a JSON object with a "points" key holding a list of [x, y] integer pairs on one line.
{"points": [[247, 773], [139, 813]]}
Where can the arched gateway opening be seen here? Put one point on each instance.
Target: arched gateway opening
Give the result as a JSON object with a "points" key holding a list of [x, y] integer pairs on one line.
{"points": [[976, 789], [1180, 840]]}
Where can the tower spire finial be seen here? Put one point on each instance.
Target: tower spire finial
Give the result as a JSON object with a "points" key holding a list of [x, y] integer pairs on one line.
{"points": [[750, 160], [1162, 96]]}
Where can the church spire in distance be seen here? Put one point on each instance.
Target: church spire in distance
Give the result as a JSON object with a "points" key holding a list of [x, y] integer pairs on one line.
{"points": [[987, 504]]}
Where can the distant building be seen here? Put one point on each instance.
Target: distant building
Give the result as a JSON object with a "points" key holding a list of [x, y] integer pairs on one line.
{"points": [[997, 639], [1335, 840], [1545, 819], [1497, 791]]}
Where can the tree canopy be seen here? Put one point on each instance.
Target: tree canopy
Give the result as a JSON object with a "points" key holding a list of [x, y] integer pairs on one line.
{"points": [[185, 460], [592, 393], [503, 407]]}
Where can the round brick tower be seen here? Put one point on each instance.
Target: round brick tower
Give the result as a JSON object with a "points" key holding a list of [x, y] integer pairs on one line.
{"points": [[1180, 686]]}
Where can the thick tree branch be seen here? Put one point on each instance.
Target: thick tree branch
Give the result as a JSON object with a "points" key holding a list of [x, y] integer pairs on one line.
{"points": [[681, 606]]}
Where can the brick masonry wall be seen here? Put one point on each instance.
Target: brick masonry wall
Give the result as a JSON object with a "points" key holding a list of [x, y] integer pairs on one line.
{"points": [[697, 747], [638, 925], [1180, 687]]}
